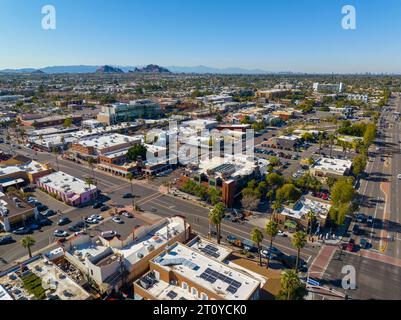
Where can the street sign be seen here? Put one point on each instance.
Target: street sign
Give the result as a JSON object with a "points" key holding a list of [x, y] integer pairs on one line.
{"points": [[313, 282]]}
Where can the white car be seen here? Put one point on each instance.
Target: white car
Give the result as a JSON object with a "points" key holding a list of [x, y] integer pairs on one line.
{"points": [[126, 214], [117, 220], [281, 233], [97, 217], [399, 176], [60, 233], [91, 220]]}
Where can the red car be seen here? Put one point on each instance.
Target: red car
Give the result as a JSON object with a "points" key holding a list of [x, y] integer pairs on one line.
{"points": [[351, 245]]}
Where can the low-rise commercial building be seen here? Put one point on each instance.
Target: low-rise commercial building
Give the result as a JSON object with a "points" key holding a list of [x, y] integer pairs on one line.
{"points": [[71, 190], [329, 167]]}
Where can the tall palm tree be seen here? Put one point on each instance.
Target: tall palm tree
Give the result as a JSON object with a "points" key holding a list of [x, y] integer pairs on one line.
{"points": [[55, 152], [289, 283], [331, 139], [299, 242], [27, 242], [271, 230], [215, 217], [91, 163], [89, 182], [257, 237], [130, 177], [275, 206], [311, 216]]}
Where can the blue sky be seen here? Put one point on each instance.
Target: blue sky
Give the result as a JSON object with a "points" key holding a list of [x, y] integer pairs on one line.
{"points": [[285, 35]]}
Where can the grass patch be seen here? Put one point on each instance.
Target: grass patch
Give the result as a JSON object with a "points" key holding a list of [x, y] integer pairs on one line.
{"points": [[33, 284]]}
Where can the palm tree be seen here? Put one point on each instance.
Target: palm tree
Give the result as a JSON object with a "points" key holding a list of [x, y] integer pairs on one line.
{"points": [[271, 230], [55, 152], [299, 242], [331, 139], [320, 143], [91, 163], [289, 283], [27, 243], [215, 217], [89, 182], [257, 237], [311, 216], [276, 205], [130, 177]]}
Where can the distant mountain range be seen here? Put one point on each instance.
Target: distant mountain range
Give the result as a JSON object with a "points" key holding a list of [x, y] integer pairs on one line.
{"points": [[140, 69]]}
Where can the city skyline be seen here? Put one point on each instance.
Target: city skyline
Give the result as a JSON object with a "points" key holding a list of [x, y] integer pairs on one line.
{"points": [[261, 35]]}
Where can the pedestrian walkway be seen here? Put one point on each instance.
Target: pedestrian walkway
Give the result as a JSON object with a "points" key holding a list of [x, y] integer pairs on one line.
{"points": [[380, 257], [321, 262]]}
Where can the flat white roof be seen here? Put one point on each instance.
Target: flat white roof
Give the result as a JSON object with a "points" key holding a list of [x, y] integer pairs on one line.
{"points": [[106, 141], [30, 167], [340, 166], [236, 166], [66, 183], [304, 205], [290, 137], [208, 273]]}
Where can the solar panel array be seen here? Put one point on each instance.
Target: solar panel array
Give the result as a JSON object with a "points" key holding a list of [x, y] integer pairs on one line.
{"points": [[225, 167], [211, 276], [210, 250]]}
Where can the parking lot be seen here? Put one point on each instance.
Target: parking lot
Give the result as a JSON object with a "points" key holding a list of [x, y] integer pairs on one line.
{"points": [[51, 202]]}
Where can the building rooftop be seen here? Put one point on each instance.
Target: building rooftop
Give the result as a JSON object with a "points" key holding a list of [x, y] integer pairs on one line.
{"points": [[207, 272], [65, 183], [107, 141], [339, 166], [228, 166], [304, 205], [209, 248]]}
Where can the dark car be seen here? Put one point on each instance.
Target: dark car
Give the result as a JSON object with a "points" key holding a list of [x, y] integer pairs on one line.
{"points": [[104, 208], [44, 222], [290, 261], [21, 231], [128, 196], [357, 230], [74, 228], [6, 240], [97, 205], [34, 226], [41, 207], [351, 245], [63, 221], [49, 213]]}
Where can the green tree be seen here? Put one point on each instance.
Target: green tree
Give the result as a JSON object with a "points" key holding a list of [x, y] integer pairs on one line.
{"points": [[216, 215], [359, 165], [339, 212], [274, 180], [291, 286], [342, 192], [288, 193], [274, 161], [257, 237], [299, 242], [28, 242], [130, 177], [219, 118], [311, 217], [271, 231], [214, 195], [67, 123], [136, 151]]}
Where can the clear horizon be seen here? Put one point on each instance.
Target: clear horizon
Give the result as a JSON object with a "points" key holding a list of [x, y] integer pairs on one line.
{"points": [[304, 37]]}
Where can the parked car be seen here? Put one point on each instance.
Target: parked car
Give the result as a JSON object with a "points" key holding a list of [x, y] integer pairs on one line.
{"points": [[6, 240], [34, 226], [351, 245], [360, 218], [356, 230], [60, 233], [22, 231], [369, 220], [63, 221], [126, 214], [74, 228], [290, 261], [41, 207], [109, 234], [97, 217], [104, 208], [117, 220], [91, 220], [281, 233], [49, 213], [97, 205], [128, 196], [364, 244], [43, 222]]}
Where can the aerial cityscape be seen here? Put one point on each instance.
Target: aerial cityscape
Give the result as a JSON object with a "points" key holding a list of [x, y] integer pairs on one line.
{"points": [[196, 174]]}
